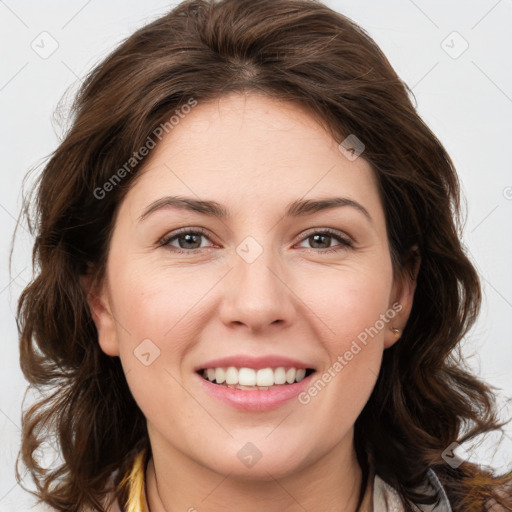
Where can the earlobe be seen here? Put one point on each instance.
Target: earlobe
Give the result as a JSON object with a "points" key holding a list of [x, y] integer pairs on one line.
{"points": [[97, 299], [403, 295]]}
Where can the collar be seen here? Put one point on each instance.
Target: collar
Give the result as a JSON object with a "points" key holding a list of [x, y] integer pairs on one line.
{"points": [[386, 498]]}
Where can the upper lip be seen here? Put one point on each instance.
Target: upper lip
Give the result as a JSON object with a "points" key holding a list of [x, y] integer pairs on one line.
{"points": [[246, 361]]}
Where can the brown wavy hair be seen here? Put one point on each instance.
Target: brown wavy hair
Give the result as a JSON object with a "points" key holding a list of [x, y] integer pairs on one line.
{"points": [[297, 51]]}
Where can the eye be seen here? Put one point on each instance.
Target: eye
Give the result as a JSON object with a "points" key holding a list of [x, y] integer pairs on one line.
{"points": [[321, 241], [187, 240]]}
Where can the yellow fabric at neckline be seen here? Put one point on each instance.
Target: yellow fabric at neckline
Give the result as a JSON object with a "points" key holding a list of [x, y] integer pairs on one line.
{"points": [[135, 481]]}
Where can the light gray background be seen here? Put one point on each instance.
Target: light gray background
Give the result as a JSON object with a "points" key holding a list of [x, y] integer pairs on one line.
{"points": [[466, 99]]}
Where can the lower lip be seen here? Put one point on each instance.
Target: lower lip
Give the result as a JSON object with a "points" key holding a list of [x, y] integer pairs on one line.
{"points": [[255, 399]]}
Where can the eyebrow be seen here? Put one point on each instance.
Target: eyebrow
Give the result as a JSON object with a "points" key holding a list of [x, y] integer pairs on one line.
{"points": [[298, 208]]}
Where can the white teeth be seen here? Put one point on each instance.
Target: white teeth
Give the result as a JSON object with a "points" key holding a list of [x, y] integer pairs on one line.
{"points": [[279, 375], [231, 375], [300, 374], [220, 375], [265, 377], [249, 378], [290, 375]]}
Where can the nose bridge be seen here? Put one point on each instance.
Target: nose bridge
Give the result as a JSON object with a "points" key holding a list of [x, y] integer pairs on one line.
{"points": [[255, 294]]}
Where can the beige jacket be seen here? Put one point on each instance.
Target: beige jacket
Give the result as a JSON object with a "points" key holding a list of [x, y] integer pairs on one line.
{"points": [[385, 498]]}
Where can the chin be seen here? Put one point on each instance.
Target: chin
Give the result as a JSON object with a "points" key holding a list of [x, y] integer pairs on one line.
{"points": [[260, 461]]}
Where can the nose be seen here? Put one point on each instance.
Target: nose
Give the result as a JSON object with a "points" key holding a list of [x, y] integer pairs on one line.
{"points": [[256, 294]]}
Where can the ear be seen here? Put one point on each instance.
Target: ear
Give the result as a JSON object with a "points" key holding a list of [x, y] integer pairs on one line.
{"points": [[98, 300], [402, 297]]}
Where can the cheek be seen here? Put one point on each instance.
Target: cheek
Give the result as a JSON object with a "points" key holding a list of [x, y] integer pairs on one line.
{"points": [[160, 320], [356, 313], [157, 307], [155, 313], [358, 317], [349, 301]]}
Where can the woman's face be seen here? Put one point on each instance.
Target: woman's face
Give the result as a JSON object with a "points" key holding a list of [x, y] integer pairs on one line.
{"points": [[261, 287]]}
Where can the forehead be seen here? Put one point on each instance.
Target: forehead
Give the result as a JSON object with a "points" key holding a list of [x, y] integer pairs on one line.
{"points": [[254, 151]]}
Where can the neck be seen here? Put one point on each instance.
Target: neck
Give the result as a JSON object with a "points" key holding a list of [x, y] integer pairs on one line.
{"points": [[174, 482]]}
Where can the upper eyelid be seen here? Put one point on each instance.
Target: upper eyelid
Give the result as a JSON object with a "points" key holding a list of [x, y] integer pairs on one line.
{"points": [[329, 231], [183, 231]]}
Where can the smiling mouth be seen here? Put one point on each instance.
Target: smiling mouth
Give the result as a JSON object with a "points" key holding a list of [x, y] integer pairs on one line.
{"points": [[249, 379]]}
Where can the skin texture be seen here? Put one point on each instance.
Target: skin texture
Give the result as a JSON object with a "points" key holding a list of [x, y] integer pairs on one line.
{"points": [[254, 155]]}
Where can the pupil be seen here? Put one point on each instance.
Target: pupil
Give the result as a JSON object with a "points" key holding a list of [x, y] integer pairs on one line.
{"points": [[317, 237], [192, 239], [189, 239]]}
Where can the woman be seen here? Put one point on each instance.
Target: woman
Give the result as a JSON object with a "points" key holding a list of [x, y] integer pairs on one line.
{"points": [[250, 284]]}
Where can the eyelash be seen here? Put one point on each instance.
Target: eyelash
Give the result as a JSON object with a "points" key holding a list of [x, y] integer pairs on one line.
{"points": [[345, 243]]}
